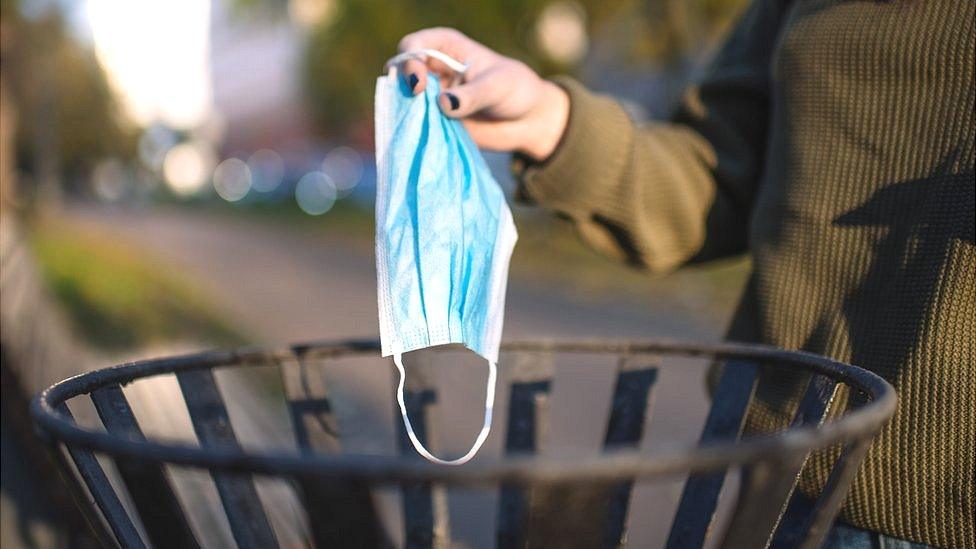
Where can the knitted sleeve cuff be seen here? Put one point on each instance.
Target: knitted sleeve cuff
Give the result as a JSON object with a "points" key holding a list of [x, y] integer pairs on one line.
{"points": [[592, 153]]}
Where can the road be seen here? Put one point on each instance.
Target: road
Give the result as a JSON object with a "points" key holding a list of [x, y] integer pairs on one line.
{"points": [[283, 284]]}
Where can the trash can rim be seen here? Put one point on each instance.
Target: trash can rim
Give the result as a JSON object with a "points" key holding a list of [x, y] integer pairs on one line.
{"points": [[859, 423]]}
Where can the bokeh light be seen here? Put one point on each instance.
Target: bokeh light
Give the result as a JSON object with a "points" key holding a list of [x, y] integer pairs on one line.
{"points": [[311, 13], [187, 167], [560, 32], [267, 170], [109, 180], [232, 179], [344, 165], [315, 193], [154, 143]]}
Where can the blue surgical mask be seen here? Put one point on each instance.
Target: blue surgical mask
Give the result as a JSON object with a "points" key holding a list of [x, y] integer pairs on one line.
{"points": [[444, 236]]}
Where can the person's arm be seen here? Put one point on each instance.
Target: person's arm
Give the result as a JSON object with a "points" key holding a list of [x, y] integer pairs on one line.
{"points": [[656, 196], [667, 193]]}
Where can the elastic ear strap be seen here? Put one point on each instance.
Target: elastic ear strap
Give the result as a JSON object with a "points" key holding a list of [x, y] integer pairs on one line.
{"points": [[422, 55], [485, 429]]}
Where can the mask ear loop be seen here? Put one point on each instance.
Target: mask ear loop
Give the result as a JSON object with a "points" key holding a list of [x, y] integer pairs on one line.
{"points": [[422, 55], [458, 67], [485, 428]]}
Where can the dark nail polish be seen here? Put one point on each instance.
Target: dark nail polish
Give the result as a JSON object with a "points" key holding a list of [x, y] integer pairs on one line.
{"points": [[412, 80], [455, 103]]}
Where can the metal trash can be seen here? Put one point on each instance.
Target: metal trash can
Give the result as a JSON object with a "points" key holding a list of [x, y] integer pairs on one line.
{"points": [[543, 499]]}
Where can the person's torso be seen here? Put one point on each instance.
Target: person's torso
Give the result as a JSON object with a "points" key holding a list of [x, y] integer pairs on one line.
{"points": [[863, 238]]}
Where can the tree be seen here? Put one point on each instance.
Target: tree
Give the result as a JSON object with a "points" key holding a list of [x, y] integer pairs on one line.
{"points": [[68, 118]]}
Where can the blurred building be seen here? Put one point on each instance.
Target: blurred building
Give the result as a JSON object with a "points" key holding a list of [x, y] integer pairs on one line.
{"points": [[256, 79]]}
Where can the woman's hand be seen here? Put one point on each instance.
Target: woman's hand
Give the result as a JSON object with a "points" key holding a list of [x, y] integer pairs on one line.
{"points": [[504, 103]]}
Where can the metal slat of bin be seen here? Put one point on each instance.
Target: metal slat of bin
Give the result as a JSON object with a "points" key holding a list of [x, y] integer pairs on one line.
{"points": [[339, 516], [417, 497], [812, 412], [248, 520], [631, 400], [775, 481], [831, 498], [593, 514], [101, 491], [309, 406], [531, 383], [151, 492], [340, 513], [567, 515], [730, 403], [814, 524], [757, 510]]}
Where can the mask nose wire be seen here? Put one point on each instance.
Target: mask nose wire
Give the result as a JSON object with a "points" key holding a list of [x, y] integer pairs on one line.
{"points": [[485, 428], [422, 55]]}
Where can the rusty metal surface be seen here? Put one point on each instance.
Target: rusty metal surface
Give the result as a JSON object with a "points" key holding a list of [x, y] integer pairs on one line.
{"points": [[103, 496], [211, 422], [146, 481]]}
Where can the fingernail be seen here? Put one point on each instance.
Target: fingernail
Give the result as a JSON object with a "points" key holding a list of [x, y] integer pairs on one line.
{"points": [[455, 103], [412, 80]]}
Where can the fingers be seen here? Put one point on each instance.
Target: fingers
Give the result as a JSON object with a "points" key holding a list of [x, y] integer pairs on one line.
{"points": [[493, 135], [449, 41], [471, 97], [415, 75]]}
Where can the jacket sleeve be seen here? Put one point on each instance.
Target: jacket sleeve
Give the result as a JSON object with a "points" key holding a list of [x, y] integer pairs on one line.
{"points": [[667, 193]]}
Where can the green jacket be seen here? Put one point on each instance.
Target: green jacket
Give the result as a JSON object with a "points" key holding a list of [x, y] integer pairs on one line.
{"points": [[834, 141]]}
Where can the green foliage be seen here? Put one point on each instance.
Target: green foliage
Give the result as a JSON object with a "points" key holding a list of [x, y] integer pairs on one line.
{"points": [[116, 297]]}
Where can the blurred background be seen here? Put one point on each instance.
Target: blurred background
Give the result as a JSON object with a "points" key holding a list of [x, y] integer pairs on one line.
{"points": [[184, 174]]}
